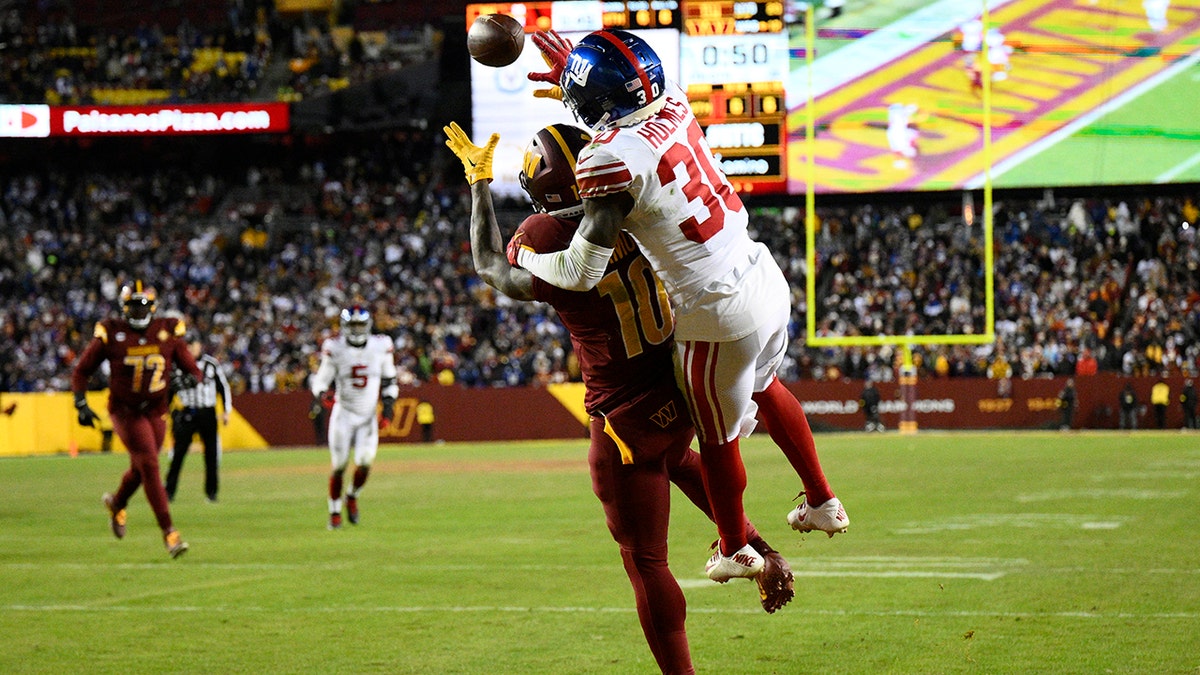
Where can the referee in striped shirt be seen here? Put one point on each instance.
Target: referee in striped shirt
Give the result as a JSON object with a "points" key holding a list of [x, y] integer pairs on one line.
{"points": [[198, 415]]}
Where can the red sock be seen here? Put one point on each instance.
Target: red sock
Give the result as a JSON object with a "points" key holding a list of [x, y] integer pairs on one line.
{"points": [[788, 427], [335, 485], [360, 478], [725, 481]]}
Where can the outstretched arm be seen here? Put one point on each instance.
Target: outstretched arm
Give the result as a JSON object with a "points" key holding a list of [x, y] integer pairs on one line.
{"points": [[487, 249], [581, 265]]}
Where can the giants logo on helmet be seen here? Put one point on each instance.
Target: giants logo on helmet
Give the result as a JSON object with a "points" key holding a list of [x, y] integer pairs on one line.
{"points": [[578, 69]]}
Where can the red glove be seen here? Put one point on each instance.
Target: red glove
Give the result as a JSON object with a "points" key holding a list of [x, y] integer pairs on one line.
{"points": [[554, 49], [514, 247]]}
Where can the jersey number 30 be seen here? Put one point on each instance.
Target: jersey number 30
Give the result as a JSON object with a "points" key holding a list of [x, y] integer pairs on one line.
{"points": [[704, 183]]}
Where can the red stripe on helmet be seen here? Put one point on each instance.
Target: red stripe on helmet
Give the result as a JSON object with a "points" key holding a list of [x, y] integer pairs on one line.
{"points": [[633, 59]]}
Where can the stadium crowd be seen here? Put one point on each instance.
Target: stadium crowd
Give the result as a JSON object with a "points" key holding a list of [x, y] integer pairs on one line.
{"points": [[260, 260], [49, 56]]}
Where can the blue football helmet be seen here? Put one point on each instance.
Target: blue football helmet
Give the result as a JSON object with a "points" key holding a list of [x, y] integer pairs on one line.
{"points": [[356, 325], [610, 75]]}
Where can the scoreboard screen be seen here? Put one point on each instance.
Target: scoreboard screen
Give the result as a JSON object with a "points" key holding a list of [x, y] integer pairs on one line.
{"points": [[731, 58]]}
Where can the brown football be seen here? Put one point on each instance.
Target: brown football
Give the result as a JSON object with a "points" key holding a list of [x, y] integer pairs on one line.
{"points": [[495, 39]]}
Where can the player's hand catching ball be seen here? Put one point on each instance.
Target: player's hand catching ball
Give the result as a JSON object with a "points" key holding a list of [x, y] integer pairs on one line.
{"points": [[477, 161], [554, 49]]}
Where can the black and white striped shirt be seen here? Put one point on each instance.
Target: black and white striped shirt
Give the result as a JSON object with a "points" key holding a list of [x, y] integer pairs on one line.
{"points": [[204, 394]]}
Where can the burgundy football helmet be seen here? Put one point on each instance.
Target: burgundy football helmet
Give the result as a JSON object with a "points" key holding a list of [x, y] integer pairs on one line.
{"points": [[138, 304], [548, 172]]}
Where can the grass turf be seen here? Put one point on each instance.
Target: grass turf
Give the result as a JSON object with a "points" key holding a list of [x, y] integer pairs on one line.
{"points": [[967, 553]]}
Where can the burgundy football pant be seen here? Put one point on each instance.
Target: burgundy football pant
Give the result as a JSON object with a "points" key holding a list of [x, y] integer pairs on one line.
{"points": [[143, 436], [637, 505]]}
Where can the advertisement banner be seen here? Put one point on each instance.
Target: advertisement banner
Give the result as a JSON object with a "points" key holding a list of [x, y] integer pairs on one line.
{"points": [[163, 120]]}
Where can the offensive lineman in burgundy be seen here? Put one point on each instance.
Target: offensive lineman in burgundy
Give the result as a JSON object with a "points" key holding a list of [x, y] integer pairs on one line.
{"points": [[143, 352]]}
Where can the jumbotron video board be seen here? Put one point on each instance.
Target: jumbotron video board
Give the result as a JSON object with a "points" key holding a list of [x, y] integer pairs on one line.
{"points": [[914, 96], [731, 57]]}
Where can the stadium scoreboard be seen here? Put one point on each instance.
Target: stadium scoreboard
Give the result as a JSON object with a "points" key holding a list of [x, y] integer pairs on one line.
{"points": [[730, 56]]}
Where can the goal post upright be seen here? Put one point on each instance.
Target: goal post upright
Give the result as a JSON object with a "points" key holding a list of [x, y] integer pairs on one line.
{"points": [[908, 369]]}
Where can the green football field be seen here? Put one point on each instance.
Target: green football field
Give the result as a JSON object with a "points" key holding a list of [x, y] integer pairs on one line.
{"points": [[967, 553]]}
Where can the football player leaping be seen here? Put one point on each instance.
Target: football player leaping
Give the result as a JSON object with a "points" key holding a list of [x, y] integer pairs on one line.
{"points": [[650, 172], [360, 366], [143, 352], [621, 332]]}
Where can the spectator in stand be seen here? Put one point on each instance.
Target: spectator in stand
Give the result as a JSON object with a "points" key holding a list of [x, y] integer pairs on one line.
{"points": [[1087, 364]]}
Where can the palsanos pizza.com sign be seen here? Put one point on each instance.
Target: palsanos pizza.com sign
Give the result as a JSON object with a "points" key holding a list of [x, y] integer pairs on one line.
{"points": [[146, 120]]}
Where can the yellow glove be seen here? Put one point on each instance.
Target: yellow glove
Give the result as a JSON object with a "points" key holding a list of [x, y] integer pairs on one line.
{"points": [[477, 161]]}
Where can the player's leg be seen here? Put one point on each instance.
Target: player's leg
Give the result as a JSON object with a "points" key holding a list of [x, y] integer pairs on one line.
{"points": [[366, 445], [182, 430], [340, 435], [212, 452], [636, 499], [787, 425], [717, 380], [143, 436], [775, 582]]}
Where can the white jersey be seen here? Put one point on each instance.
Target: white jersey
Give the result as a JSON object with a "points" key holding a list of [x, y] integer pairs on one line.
{"points": [[686, 218], [357, 373]]}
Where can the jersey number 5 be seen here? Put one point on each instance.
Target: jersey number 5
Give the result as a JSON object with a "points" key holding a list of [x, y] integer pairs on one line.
{"points": [[704, 183]]}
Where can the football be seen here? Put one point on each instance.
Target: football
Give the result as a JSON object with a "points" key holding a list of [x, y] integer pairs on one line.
{"points": [[495, 40]]}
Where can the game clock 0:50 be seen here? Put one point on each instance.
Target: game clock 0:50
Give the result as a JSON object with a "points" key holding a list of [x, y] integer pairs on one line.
{"points": [[718, 59]]}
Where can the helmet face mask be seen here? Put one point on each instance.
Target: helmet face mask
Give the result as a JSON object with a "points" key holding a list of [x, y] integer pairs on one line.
{"points": [[138, 304], [548, 172], [356, 325], [610, 76]]}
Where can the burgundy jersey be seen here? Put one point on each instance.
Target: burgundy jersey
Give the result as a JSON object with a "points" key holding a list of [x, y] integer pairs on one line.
{"points": [[621, 329], [141, 363]]}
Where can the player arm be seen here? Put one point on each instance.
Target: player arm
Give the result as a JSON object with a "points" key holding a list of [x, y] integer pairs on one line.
{"points": [[581, 265], [223, 388], [487, 249], [87, 364]]}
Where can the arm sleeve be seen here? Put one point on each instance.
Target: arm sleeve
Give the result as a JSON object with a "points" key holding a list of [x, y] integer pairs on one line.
{"points": [[578, 268], [323, 377], [389, 389], [88, 362], [223, 387]]}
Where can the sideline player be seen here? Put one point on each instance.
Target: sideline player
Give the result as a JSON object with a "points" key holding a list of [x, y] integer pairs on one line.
{"points": [[650, 172], [361, 367], [640, 433], [142, 351]]}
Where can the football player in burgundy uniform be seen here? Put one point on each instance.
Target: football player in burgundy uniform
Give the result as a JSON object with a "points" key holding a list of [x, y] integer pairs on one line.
{"points": [[621, 332], [144, 353], [650, 173]]}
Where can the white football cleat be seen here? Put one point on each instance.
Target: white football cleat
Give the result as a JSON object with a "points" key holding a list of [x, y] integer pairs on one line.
{"points": [[745, 563], [829, 517]]}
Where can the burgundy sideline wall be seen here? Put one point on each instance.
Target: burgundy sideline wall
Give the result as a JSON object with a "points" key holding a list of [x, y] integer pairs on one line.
{"points": [[532, 413]]}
